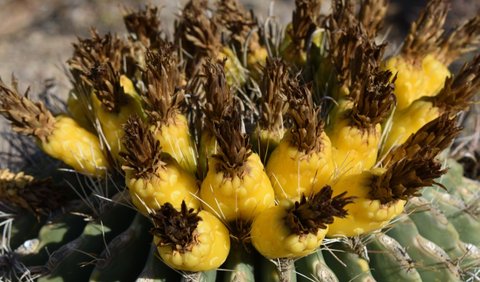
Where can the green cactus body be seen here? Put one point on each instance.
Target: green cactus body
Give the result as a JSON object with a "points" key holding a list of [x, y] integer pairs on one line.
{"points": [[63, 264], [400, 209], [239, 266], [115, 263], [155, 270], [313, 267], [432, 263], [348, 265], [389, 260], [466, 224]]}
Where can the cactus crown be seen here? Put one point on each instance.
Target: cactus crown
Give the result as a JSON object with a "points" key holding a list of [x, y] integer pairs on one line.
{"points": [[427, 36], [106, 82], [427, 142], [218, 96], [94, 51], [457, 92], [143, 152], [374, 101], [198, 35], [275, 94], [27, 117], [412, 165], [163, 95], [426, 32], [314, 213], [307, 127], [234, 145], [175, 229]]}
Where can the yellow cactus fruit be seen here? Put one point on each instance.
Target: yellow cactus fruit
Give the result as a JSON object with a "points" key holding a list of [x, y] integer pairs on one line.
{"points": [[236, 186], [455, 96], [77, 108], [129, 89], [296, 230], [422, 65], [190, 241], [273, 106], [75, 146], [415, 81], [299, 32], [111, 125], [235, 73], [303, 159], [239, 196], [60, 137], [219, 99], [382, 192], [153, 178], [163, 99], [177, 141], [355, 130], [200, 37], [238, 26], [111, 105], [365, 214]]}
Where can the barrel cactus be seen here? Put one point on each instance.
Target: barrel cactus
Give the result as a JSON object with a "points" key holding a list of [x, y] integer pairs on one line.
{"points": [[237, 150]]}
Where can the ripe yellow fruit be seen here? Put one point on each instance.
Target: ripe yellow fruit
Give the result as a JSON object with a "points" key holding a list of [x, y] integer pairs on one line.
{"points": [[408, 121], [241, 197], [208, 250], [76, 146], [112, 124], [415, 81], [294, 173], [176, 140], [152, 177], [60, 137], [273, 239], [163, 99], [235, 73], [355, 149], [208, 148], [364, 214], [169, 184], [295, 230]]}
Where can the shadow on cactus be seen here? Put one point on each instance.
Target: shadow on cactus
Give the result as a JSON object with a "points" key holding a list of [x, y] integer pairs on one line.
{"points": [[236, 150]]}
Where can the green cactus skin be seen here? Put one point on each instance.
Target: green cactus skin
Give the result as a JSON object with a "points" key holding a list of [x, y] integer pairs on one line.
{"points": [[115, 262], [268, 271], [314, 268], [64, 264], [432, 263], [24, 227], [239, 266], [348, 265], [389, 261], [53, 235], [467, 224], [155, 270], [434, 226]]}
